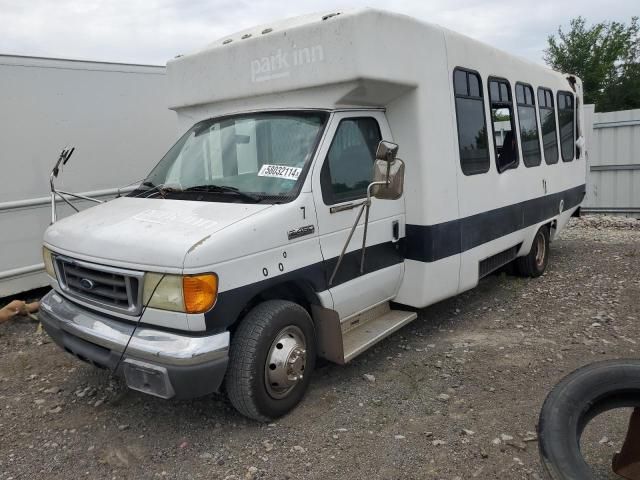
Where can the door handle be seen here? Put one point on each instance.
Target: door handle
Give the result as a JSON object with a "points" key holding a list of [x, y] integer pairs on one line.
{"points": [[395, 231], [343, 207]]}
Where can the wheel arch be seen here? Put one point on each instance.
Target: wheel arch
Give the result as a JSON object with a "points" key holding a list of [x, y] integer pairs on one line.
{"points": [[298, 291], [525, 248]]}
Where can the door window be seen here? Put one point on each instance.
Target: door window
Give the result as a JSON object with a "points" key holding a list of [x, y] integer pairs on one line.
{"points": [[348, 168]]}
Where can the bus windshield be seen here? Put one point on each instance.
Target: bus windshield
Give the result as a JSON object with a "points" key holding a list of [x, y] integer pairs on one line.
{"points": [[249, 157]]}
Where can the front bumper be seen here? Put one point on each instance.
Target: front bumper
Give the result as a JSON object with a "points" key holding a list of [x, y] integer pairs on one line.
{"points": [[156, 362]]}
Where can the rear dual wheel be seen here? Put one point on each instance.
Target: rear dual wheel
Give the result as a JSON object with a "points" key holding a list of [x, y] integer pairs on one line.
{"points": [[272, 356], [535, 262]]}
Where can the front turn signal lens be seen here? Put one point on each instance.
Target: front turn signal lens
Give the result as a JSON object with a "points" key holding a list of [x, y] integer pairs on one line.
{"points": [[200, 292]]}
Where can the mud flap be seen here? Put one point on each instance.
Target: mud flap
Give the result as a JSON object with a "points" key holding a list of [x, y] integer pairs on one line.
{"points": [[627, 462]]}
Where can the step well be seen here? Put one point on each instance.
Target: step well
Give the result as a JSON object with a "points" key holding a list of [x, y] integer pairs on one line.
{"points": [[359, 339], [341, 342]]}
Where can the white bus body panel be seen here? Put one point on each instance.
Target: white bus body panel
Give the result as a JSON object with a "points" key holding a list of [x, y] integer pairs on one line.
{"points": [[359, 63], [367, 58]]}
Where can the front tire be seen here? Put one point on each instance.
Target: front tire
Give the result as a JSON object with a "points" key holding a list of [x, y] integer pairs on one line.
{"points": [[271, 359], [535, 262]]}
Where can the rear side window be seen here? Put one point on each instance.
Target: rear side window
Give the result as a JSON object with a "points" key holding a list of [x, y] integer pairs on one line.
{"points": [[566, 120], [578, 128], [502, 121], [348, 168], [548, 125], [528, 123], [472, 126]]}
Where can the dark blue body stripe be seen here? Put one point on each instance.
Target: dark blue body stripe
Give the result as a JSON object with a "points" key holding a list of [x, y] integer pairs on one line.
{"points": [[429, 243], [424, 243]]}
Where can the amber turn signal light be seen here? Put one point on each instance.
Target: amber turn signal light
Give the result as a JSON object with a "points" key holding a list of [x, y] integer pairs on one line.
{"points": [[199, 292]]}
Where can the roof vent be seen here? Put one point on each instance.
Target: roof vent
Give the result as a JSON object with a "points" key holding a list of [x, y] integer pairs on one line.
{"points": [[267, 30], [245, 36], [228, 40], [329, 15]]}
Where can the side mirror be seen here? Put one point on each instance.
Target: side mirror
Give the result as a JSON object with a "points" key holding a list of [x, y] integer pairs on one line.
{"points": [[388, 172], [386, 151], [391, 178]]}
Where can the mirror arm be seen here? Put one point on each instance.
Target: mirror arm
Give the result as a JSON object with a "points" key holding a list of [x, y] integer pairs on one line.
{"points": [[364, 207], [344, 249], [77, 195], [367, 207], [63, 158], [67, 201], [54, 174], [53, 195]]}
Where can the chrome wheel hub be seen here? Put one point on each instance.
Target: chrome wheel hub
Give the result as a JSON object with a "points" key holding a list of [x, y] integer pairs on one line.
{"points": [[286, 361]]}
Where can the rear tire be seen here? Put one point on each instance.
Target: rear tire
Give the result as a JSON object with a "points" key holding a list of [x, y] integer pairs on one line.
{"points": [[271, 359], [573, 403], [535, 262]]}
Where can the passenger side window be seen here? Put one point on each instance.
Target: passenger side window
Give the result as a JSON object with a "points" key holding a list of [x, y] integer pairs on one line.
{"points": [[548, 125], [505, 141], [348, 168], [472, 127], [566, 120], [528, 123]]}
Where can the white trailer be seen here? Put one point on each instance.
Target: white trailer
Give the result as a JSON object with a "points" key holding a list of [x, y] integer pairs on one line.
{"points": [[115, 115], [246, 253]]}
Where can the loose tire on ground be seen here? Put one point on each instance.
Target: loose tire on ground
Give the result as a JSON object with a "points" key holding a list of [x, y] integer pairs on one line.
{"points": [[573, 403], [255, 352], [535, 262]]}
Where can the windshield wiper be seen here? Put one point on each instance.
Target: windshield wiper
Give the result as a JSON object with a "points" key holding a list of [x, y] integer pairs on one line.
{"points": [[224, 189], [152, 187], [162, 189]]}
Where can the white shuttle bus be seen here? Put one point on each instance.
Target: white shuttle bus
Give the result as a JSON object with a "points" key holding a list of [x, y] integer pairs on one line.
{"points": [[282, 226]]}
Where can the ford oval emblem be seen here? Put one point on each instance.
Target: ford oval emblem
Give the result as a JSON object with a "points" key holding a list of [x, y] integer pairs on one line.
{"points": [[87, 284]]}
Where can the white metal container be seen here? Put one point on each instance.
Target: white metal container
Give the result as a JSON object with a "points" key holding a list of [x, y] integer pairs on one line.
{"points": [[114, 114]]}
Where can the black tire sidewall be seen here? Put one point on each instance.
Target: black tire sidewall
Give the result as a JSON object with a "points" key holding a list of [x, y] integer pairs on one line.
{"points": [[283, 316], [592, 389], [536, 270]]}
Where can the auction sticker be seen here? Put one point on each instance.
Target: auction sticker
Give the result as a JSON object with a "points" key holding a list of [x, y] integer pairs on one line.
{"points": [[280, 171]]}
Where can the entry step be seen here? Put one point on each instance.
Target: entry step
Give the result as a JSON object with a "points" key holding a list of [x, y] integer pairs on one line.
{"points": [[357, 340]]}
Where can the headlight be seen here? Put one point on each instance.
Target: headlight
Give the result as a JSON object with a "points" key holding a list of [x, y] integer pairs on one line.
{"points": [[48, 262], [189, 294]]}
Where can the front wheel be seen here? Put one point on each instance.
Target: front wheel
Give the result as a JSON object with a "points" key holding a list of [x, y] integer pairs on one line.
{"points": [[535, 262], [272, 356]]}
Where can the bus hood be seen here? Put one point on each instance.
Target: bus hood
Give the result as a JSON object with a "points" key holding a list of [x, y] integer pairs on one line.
{"points": [[150, 234]]}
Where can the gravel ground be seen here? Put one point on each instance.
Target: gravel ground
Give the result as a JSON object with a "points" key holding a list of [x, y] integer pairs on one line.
{"points": [[454, 395]]}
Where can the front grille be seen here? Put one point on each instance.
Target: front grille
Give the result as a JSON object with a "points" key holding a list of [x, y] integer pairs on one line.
{"points": [[108, 287]]}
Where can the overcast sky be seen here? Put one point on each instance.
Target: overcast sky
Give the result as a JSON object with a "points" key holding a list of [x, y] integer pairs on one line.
{"points": [[153, 31]]}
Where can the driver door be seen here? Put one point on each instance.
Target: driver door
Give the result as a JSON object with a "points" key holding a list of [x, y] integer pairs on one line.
{"points": [[339, 185]]}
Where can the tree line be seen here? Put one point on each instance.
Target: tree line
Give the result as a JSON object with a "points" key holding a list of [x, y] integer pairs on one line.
{"points": [[606, 56]]}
